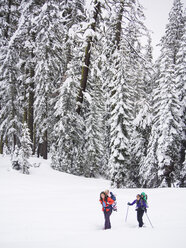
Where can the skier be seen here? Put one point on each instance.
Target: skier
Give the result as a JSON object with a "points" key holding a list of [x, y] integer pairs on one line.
{"points": [[107, 208], [141, 207]]}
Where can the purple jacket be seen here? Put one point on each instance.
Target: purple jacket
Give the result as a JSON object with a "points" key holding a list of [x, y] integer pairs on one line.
{"points": [[139, 204]]}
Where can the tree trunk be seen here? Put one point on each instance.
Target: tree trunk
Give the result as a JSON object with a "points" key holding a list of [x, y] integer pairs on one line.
{"points": [[25, 114], [40, 150], [183, 149], [31, 100], [118, 25], [1, 137], [14, 138], [117, 40], [14, 141], [8, 19], [31, 112], [34, 140], [85, 68], [45, 146], [1, 145]]}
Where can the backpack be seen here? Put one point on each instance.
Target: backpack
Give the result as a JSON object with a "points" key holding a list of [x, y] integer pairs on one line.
{"points": [[144, 197], [114, 205]]}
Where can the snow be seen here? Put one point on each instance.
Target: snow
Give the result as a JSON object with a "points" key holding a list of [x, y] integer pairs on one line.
{"points": [[51, 209], [88, 97]]}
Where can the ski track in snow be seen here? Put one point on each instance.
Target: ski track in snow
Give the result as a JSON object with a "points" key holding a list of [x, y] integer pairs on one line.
{"points": [[51, 209]]}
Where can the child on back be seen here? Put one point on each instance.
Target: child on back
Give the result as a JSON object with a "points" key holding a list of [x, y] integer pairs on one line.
{"points": [[113, 197]]}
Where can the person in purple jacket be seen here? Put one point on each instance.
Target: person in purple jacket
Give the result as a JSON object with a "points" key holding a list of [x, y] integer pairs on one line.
{"points": [[141, 207]]}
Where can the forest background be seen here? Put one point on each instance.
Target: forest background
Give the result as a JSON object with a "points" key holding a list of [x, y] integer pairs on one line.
{"points": [[78, 82]]}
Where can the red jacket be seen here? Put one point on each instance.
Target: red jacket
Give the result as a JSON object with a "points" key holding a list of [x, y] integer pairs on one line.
{"points": [[106, 204]]}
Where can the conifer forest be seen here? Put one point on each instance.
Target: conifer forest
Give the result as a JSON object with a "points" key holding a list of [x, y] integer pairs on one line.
{"points": [[79, 85]]}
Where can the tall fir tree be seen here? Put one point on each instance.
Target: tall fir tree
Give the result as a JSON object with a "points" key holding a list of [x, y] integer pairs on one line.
{"points": [[142, 118], [181, 88], [127, 90], [9, 113], [69, 127], [162, 164], [49, 67], [25, 149]]}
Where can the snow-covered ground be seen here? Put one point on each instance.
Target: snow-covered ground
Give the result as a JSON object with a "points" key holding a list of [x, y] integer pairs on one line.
{"points": [[50, 209]]}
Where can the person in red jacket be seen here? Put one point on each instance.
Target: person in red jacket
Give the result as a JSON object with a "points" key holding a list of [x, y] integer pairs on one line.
{"points": [[107, 208]]}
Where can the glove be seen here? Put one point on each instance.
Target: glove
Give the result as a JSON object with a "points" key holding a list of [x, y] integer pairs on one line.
{"points": [[128, 203], [145, 210]]}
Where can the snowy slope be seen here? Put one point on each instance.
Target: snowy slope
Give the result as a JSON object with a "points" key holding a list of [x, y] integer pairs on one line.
{"points": [[50, 209]]}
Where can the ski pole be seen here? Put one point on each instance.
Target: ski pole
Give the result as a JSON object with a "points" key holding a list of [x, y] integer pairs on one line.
{"points": [[149, 220], [127, 214]]}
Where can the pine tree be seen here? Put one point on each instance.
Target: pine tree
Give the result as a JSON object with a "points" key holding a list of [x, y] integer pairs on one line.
{"points": [[95, 149], [181, 88], [11, 110], [119, 130], [67, 149], [92, 19], [25, 149], [9, 113], [111, 47], [141, 124], [165, 141], [69, 127], [49, 66], [139, 143], [127, 89], [15, 159], [95, 146]]}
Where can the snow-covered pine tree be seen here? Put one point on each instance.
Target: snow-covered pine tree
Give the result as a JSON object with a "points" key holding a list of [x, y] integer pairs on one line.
{"points": [[9, 114], [95, 155], [9, 19], [26, 63], [79, 150], [91, 22], [15, 159], [11, 110], [93, 105], [111, 62], [25, 149], [68, 131], [169, 127], [98, 87], [139, 142], [119, 127], [181, 88], [49, 67], [129, 90], [110, 36], [141, 68], [162, 164]]}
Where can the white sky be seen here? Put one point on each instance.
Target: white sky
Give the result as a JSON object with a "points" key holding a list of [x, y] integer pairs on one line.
{"points": [[156, 12]]}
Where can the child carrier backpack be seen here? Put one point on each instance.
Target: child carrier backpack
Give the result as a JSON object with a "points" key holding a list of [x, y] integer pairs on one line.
{"points": [[114, 205], [144, 197]]}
